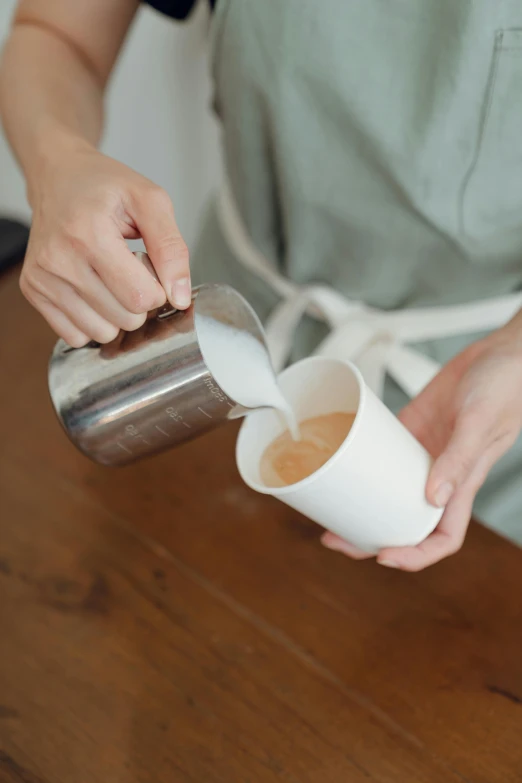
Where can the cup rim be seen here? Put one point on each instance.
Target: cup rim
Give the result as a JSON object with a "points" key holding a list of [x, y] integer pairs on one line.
{"points": [[290, 488]]}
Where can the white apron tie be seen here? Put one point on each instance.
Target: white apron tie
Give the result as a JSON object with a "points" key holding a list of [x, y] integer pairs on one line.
{"points": [[375, 340]]}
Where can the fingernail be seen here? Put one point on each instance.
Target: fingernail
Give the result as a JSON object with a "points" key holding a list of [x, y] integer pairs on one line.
{"points": [[335, 544], [330, 543], [443, 494], [388, 563], [182, 293], [339, 545]]}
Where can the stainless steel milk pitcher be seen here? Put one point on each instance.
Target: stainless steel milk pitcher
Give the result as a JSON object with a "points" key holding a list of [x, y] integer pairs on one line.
{"points": [[150, 389]]}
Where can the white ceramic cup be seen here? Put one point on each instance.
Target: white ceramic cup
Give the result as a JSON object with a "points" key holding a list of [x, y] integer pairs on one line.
{"points": [[372, 490]]}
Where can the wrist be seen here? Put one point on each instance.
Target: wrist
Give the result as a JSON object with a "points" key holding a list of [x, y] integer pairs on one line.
{"points": [[53, 147]]}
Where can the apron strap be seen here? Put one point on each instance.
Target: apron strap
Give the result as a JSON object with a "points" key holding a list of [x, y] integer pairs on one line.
{"points": [[373, 349], [373, 339], [281, 326]]}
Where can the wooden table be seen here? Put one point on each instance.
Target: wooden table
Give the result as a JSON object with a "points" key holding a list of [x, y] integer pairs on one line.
{"points": [[163, 623]]}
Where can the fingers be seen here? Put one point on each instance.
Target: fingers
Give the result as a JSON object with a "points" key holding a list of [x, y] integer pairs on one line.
{"points": [[471, 437], [449, 536], [92, 290], [99, 289], [126, 278], [103, 301], [165, 245], [78, 261], [76, 310], [62, 325], [446, 540], [337, 544], [54, 316]]}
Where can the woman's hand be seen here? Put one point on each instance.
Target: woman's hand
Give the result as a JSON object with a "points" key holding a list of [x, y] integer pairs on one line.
{"points": [[467, 418], [79, 272]]}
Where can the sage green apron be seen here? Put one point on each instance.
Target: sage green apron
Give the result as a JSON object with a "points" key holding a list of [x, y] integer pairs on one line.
{"points": [[375, 146]]}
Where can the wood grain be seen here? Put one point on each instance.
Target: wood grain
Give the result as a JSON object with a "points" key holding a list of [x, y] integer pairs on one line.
{"points": [[163, 623]]}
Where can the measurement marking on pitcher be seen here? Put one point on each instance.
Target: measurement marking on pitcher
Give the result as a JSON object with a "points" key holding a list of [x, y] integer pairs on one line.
{"points": [[124, 447], [162, 431], [205, 413], [133, 432], [173, 414]]}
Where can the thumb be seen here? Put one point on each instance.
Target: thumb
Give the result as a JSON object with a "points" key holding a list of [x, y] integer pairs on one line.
{"points": [[458, 460], [154, 215]]}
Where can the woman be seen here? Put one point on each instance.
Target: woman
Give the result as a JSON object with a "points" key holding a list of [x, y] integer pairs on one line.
{"points": [[372, 147]]}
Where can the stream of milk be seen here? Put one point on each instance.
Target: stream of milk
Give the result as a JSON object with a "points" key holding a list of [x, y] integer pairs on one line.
{"points": [[241, 366]]}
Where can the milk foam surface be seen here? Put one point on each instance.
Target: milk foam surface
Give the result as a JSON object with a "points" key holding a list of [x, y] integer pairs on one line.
{"points": [[286, 461]]}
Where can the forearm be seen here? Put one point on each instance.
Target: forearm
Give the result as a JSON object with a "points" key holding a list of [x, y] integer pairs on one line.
{"points": [[51, 99]]}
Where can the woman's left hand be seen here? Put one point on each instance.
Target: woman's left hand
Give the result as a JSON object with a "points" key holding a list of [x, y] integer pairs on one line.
{"points": [[467, 418]]}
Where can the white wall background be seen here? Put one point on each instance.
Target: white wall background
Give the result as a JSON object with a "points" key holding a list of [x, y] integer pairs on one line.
{"points": [[159, 120]]}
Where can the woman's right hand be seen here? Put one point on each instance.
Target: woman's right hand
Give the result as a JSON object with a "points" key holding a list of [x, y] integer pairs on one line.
{"points": [[79, 272]]}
